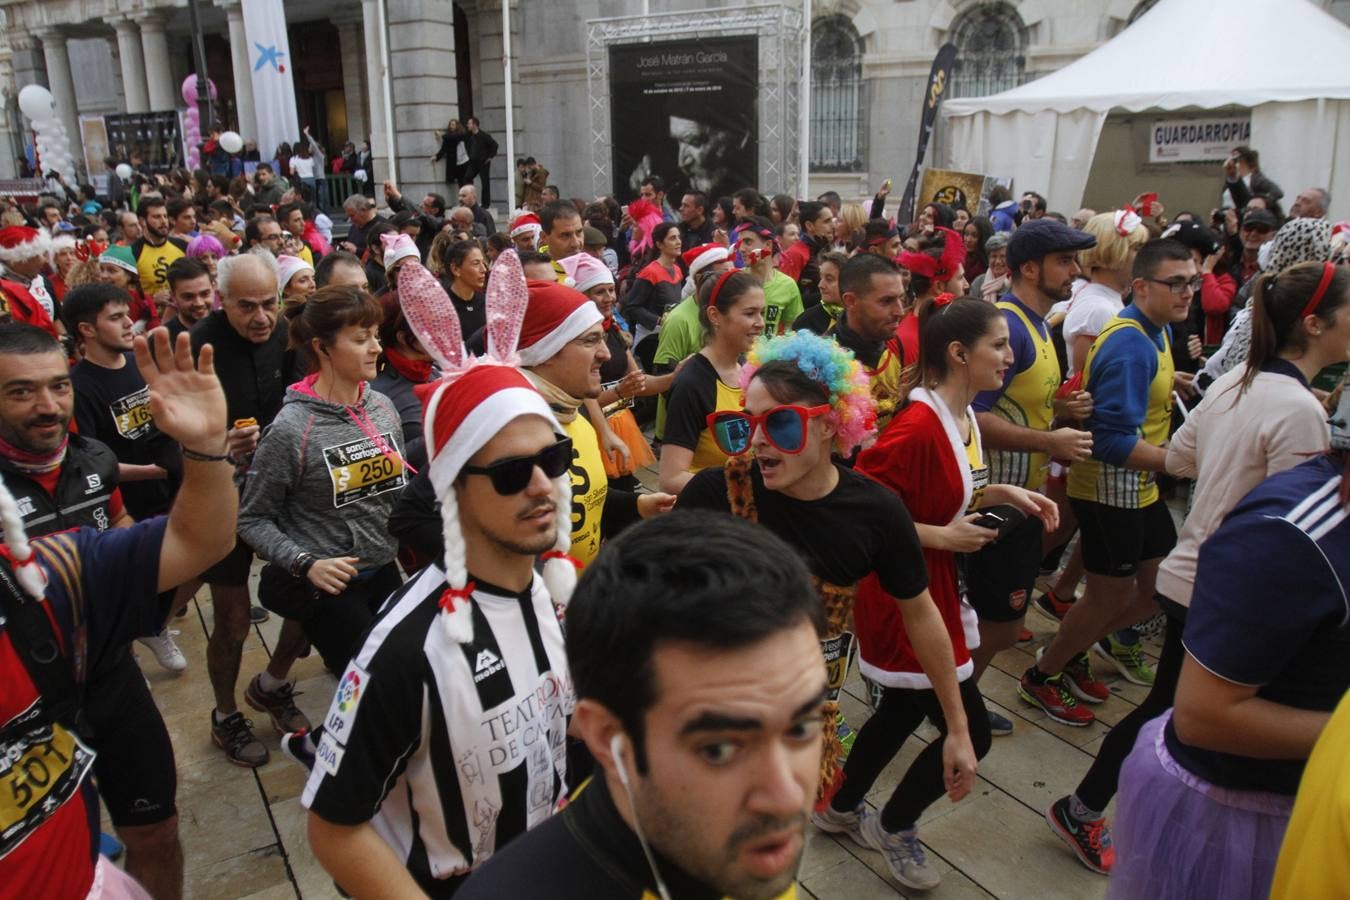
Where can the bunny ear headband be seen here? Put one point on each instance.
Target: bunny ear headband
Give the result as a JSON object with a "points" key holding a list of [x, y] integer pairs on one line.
{"points": [[466, 408]]}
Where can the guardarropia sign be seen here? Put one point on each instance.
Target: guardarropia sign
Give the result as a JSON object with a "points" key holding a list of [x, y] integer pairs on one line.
{"points": [[1197, 140]]}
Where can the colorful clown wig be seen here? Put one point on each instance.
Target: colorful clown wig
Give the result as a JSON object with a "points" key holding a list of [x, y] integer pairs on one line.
{"points": [[835, 370]]}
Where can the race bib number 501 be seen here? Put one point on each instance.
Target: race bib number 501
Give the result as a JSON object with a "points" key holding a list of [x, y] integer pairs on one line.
{"points": [[360, 469], [41, 767]]}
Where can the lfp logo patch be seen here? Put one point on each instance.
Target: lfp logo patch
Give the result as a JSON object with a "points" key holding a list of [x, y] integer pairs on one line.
{"points": [[349, 691]]}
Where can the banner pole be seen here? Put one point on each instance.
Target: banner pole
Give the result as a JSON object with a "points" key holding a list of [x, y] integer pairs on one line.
{"points": [[510, 108], [804, 106], [388, 93]]}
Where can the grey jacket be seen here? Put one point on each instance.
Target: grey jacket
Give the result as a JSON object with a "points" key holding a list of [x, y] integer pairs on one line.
{"points": [[319, 485]]}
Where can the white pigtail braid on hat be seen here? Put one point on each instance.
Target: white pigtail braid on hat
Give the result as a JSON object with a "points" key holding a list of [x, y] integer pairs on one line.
{"points": [[560, 567], [27, 572]]}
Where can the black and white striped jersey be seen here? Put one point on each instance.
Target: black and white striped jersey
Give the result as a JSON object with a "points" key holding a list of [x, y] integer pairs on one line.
{"points": [[448, 749]]}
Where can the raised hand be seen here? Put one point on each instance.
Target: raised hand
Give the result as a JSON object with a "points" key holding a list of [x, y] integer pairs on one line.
{"points": [[186, 400]]}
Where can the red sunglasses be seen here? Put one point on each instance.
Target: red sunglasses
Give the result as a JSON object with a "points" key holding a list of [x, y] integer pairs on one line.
{"points": [[784, 426]]}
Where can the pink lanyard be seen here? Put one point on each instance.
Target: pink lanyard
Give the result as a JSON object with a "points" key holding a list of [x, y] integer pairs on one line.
{"points": [[362, 420]]}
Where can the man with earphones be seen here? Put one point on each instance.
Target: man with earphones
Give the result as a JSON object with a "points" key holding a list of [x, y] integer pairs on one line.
{"points": [[702, 698]]}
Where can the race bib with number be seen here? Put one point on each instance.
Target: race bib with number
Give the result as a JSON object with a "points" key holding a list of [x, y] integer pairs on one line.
{"points": [[360, 469], [131, 414], [41, 767]]}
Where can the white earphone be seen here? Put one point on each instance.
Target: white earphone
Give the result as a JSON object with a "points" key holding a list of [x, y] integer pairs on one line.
{"points": [[621, 769], [616, 751]]}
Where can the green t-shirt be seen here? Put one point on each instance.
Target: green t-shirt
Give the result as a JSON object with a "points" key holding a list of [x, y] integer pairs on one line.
{"points": [[782, 303], [681, 337]]}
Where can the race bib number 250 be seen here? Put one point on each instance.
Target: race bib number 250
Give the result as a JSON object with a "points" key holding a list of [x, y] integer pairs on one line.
{"points": [[361, 469]]}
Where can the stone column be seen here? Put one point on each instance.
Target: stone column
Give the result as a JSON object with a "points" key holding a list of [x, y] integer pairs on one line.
{"points": [[158, 75], [424, 87], [370, 20], [62, 86], [490, 103], [354, 87], [243, 72], [133, 72]]}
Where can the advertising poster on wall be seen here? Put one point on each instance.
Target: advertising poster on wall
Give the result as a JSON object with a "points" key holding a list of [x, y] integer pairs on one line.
{"points": [[685, 110], [94, 137], [156, 138]]}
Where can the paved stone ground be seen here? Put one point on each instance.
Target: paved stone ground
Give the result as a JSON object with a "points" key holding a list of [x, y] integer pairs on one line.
{"points": [[244, 830]]}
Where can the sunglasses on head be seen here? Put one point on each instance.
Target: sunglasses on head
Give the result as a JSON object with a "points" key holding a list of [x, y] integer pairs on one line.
{"points": [[784, 427], [511, 476]]}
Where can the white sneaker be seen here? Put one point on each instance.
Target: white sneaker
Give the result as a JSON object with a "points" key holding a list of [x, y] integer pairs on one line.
{"points": [[166, 651], [836, 822], [903, 854]]}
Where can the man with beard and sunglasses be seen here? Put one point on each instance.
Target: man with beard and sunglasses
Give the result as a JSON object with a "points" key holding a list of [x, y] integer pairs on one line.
{"points": [[562, 346], [701, 694], [446, 736]]}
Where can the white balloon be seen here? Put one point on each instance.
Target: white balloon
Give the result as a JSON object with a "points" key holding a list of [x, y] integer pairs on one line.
{"points": [[231, 142], [36, 102], [123, 171]]}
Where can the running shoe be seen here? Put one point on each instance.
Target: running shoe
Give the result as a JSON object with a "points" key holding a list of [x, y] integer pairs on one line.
{"points": [[1089, 841], [298, 746], [1052, 606], [1083, 683], [235, 736], [278, 704], [999, 725], [257, 615], [835, 822], [1128, 660], [166, 651], [903, 853], [1052, 696]]}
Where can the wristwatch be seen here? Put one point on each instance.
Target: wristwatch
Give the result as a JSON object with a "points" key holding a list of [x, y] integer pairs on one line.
{"points": [[302, 564]]}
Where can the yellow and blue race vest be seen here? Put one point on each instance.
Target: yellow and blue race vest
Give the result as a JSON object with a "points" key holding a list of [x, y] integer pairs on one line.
{"points": [[1029, 401], [1111, 485]]}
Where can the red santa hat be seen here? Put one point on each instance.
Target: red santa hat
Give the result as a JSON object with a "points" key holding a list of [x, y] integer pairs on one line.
{"points": [[696, 259], [19, 242], [526, 222], [555, 315]]}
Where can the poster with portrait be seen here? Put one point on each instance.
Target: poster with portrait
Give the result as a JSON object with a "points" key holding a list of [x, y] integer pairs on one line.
{"points": [[94, 138], [155, 139], [685, 110]]}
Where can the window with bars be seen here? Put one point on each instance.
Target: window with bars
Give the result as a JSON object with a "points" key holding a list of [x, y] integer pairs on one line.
{"points": [[989, 56], [837, 104]]}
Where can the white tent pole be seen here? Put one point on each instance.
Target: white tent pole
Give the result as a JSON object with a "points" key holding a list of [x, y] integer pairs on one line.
{"points": [[804, 105], [510, 107]]}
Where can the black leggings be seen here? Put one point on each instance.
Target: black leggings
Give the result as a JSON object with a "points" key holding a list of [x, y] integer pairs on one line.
{"points": [[1099, 784], [336, 626], [879, 740]]}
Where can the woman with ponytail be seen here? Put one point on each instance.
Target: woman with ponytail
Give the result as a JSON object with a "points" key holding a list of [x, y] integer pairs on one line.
{"points": [[930, 454], [1255, 421], [317, 499], [1206, 793]]}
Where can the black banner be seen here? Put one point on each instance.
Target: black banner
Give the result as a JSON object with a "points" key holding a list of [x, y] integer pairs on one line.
{"points": [[938, 79], [685, 110], [154, 137]]}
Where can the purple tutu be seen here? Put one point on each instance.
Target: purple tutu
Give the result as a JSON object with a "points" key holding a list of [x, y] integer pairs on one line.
{"points": [[1178, 836]]}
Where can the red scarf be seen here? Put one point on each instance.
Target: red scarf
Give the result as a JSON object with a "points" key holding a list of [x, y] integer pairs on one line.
{"points": [[418, 371]]}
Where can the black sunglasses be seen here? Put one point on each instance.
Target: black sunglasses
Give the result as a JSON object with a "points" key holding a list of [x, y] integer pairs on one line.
{"points": [[511, 476]]}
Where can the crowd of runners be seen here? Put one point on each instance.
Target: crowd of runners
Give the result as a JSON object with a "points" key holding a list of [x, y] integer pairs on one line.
{"points": [[592, 517]]}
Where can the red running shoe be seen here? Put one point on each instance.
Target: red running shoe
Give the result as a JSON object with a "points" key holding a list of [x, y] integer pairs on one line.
{"points": [[1054, 607], [1089, 841], [1085, 685], [1053, 697]]}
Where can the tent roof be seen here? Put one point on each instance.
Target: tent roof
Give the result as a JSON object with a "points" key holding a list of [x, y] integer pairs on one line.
{"points": [[1194, 53]]}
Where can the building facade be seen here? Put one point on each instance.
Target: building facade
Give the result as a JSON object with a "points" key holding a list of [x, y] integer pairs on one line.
{"points": [[363, 67]]}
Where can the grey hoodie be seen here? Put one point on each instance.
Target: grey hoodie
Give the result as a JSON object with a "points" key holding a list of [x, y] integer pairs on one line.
{"points": [[319, 485]]}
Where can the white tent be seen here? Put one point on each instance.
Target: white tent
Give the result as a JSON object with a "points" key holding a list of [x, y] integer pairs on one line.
{"points": [[1283, 59]]}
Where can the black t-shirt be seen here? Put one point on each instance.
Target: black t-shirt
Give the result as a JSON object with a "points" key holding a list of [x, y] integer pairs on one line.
{"points": [[585, 852], [858, 528], [113, 405], [692, 397], [614, 368]]}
